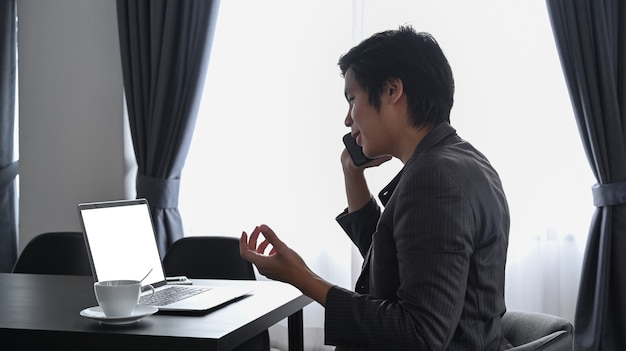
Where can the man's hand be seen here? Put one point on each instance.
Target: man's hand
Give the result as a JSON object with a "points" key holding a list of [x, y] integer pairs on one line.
{"points": [[281, 263]]}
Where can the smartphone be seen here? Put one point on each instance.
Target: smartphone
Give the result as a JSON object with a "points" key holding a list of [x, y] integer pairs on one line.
{"points": [[355, 151]]}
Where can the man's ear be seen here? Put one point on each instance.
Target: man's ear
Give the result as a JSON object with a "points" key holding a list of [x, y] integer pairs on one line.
{"points": [[394, 88]]}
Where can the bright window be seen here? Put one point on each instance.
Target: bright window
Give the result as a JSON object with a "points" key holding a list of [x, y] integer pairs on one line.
{"points": [[268, 138]]}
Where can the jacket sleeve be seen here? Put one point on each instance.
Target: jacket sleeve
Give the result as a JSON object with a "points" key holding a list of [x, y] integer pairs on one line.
{"points": [[360, 224]]}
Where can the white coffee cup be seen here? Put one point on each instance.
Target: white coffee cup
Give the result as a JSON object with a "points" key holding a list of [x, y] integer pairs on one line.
{"points": [[117, 298]]}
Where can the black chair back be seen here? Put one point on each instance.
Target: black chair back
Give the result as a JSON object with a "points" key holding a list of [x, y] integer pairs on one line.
{"points": [[55, 253], [213, 257], [207, 257]]}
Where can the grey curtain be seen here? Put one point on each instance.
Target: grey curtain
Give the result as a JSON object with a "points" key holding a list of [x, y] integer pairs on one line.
{"points": [[8, 168], [165, 46], [591, 39]]}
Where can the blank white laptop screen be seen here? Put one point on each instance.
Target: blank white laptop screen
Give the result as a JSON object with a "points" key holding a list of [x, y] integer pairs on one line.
{"points": [[122, 243]]}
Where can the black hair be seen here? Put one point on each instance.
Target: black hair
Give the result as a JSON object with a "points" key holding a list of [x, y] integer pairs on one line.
{"points": [[414, 58]]}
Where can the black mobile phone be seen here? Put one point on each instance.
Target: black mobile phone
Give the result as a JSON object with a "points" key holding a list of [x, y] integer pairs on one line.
{"points": [[355, 151]]}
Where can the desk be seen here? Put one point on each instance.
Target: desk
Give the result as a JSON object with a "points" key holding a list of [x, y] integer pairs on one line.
{"points": [[42, 311]]}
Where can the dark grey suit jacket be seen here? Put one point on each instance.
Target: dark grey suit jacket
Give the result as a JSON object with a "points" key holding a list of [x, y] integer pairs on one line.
{"points": [[434, 260]]}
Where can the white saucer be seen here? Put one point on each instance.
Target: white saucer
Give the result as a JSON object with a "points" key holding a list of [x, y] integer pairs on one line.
{"points": [[140, 312]]}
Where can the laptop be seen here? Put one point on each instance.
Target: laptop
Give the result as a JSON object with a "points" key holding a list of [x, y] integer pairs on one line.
{"points": [[121, 244]]}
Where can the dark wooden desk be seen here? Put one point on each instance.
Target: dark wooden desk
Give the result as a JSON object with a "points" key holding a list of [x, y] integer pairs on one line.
{"points": [[42, 312]]}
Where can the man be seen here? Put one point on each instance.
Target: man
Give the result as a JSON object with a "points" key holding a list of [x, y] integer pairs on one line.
{"points": [[434, 259]]}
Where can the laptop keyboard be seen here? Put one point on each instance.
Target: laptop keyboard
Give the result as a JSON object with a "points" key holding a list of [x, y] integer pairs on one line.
{"points": [[172, 294]]}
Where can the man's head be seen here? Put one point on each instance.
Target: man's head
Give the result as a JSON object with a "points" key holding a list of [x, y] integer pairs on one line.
{"points": [[414, 58]]}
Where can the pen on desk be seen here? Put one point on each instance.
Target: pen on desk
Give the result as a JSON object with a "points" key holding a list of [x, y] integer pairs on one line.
{"points": [[180, 279]]}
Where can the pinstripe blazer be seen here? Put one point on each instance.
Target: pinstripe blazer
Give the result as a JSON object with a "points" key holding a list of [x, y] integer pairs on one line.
{"points": [[434, 259]]}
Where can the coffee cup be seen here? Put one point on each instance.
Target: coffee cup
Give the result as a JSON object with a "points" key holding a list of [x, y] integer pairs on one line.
{"points": [[117, 298]]}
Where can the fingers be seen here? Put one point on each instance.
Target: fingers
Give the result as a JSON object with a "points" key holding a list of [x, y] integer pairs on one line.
{"points": [[243, 244], [262, 247], [248, 246], [270, 236], [252, 241]]}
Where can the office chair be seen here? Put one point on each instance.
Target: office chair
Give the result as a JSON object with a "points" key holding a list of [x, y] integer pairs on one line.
{"points": [[54, 253], [530, 331], [213, 257]]}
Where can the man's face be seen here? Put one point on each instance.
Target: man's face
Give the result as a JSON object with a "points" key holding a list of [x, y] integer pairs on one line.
{"points": [[363, 118]]}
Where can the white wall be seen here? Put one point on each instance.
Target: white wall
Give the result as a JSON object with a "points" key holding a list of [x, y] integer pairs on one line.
{"points": [[71, 146]]}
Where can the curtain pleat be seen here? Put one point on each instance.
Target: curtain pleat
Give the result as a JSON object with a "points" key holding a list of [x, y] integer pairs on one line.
{"points": [[165, 47], [8, 167], [590, 37]]}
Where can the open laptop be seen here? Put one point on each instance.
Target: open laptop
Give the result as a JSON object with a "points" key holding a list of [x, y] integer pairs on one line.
{"points": [[121, 244]]}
